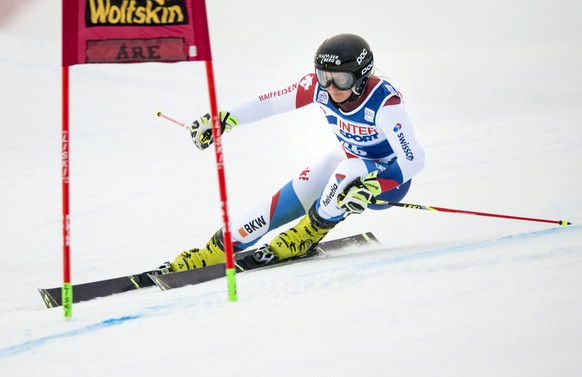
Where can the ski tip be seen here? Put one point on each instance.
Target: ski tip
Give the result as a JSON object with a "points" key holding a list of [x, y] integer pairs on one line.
{"points": [[48, 299], [370, 237]]}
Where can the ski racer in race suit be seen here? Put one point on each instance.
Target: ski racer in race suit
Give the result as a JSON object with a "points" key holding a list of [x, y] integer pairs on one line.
{"points": [[376, 158]]}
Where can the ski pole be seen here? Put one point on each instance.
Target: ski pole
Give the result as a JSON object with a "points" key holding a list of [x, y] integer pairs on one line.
{"points": [[462, 211], [162, 115], [230, 270]]}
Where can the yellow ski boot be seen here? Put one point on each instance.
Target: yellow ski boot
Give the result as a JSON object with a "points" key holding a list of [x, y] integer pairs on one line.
{"points": [[210, 255], [302, 237]]}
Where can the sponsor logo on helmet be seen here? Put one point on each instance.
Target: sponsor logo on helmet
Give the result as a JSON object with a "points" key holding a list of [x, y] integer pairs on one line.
{"points": [[362, 56], [397, 127], [369, 67], [328, 58]]}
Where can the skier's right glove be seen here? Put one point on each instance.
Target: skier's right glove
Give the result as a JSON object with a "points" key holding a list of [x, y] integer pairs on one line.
{"points": [[201, 129], [358, 194]]}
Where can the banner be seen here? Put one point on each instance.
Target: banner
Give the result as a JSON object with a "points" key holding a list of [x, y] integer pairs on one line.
{"points": [[134, 31]]}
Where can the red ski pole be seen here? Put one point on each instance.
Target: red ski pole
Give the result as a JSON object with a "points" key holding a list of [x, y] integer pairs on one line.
{"points": [[462, 211], [161, 115]]}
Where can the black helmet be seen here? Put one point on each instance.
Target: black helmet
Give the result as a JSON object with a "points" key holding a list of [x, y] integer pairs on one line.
{"points": [[345, 53]]}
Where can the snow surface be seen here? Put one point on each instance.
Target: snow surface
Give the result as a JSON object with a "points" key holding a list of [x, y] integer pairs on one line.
{"points": [[495, 91]]}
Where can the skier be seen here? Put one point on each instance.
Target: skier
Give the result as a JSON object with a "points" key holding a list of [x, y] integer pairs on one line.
{"points": [[376, 158]]}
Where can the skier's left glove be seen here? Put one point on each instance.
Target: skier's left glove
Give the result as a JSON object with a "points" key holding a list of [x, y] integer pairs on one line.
{"points": [[358, 194], [201, 129]]}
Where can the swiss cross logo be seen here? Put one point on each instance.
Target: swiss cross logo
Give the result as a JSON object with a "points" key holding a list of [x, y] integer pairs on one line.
{"points": [[306, 82], [303, 176]]}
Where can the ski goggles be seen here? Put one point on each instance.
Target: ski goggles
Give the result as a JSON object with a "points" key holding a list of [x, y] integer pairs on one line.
{"points": [[341, 80]]}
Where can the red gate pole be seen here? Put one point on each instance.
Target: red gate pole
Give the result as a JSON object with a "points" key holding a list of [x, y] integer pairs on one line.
{"points": [[216, 134], [67, 290]]}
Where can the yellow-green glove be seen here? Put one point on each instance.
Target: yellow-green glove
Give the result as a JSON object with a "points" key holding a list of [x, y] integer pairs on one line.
{"points": [[201, 129], [358, 194]]}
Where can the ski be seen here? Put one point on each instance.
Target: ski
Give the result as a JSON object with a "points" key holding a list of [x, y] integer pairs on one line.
{"points": [[52, 297], [244, 261]]}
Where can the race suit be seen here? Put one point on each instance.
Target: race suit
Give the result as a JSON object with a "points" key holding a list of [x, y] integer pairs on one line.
{"points": [[374, 133]]}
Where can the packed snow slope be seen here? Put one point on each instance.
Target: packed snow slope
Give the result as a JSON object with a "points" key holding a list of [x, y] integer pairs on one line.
{"points": [[495, 93]]}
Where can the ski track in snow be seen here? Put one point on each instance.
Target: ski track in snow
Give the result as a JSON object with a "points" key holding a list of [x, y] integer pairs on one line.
{"points": [[382, 257], [35, 343]]}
